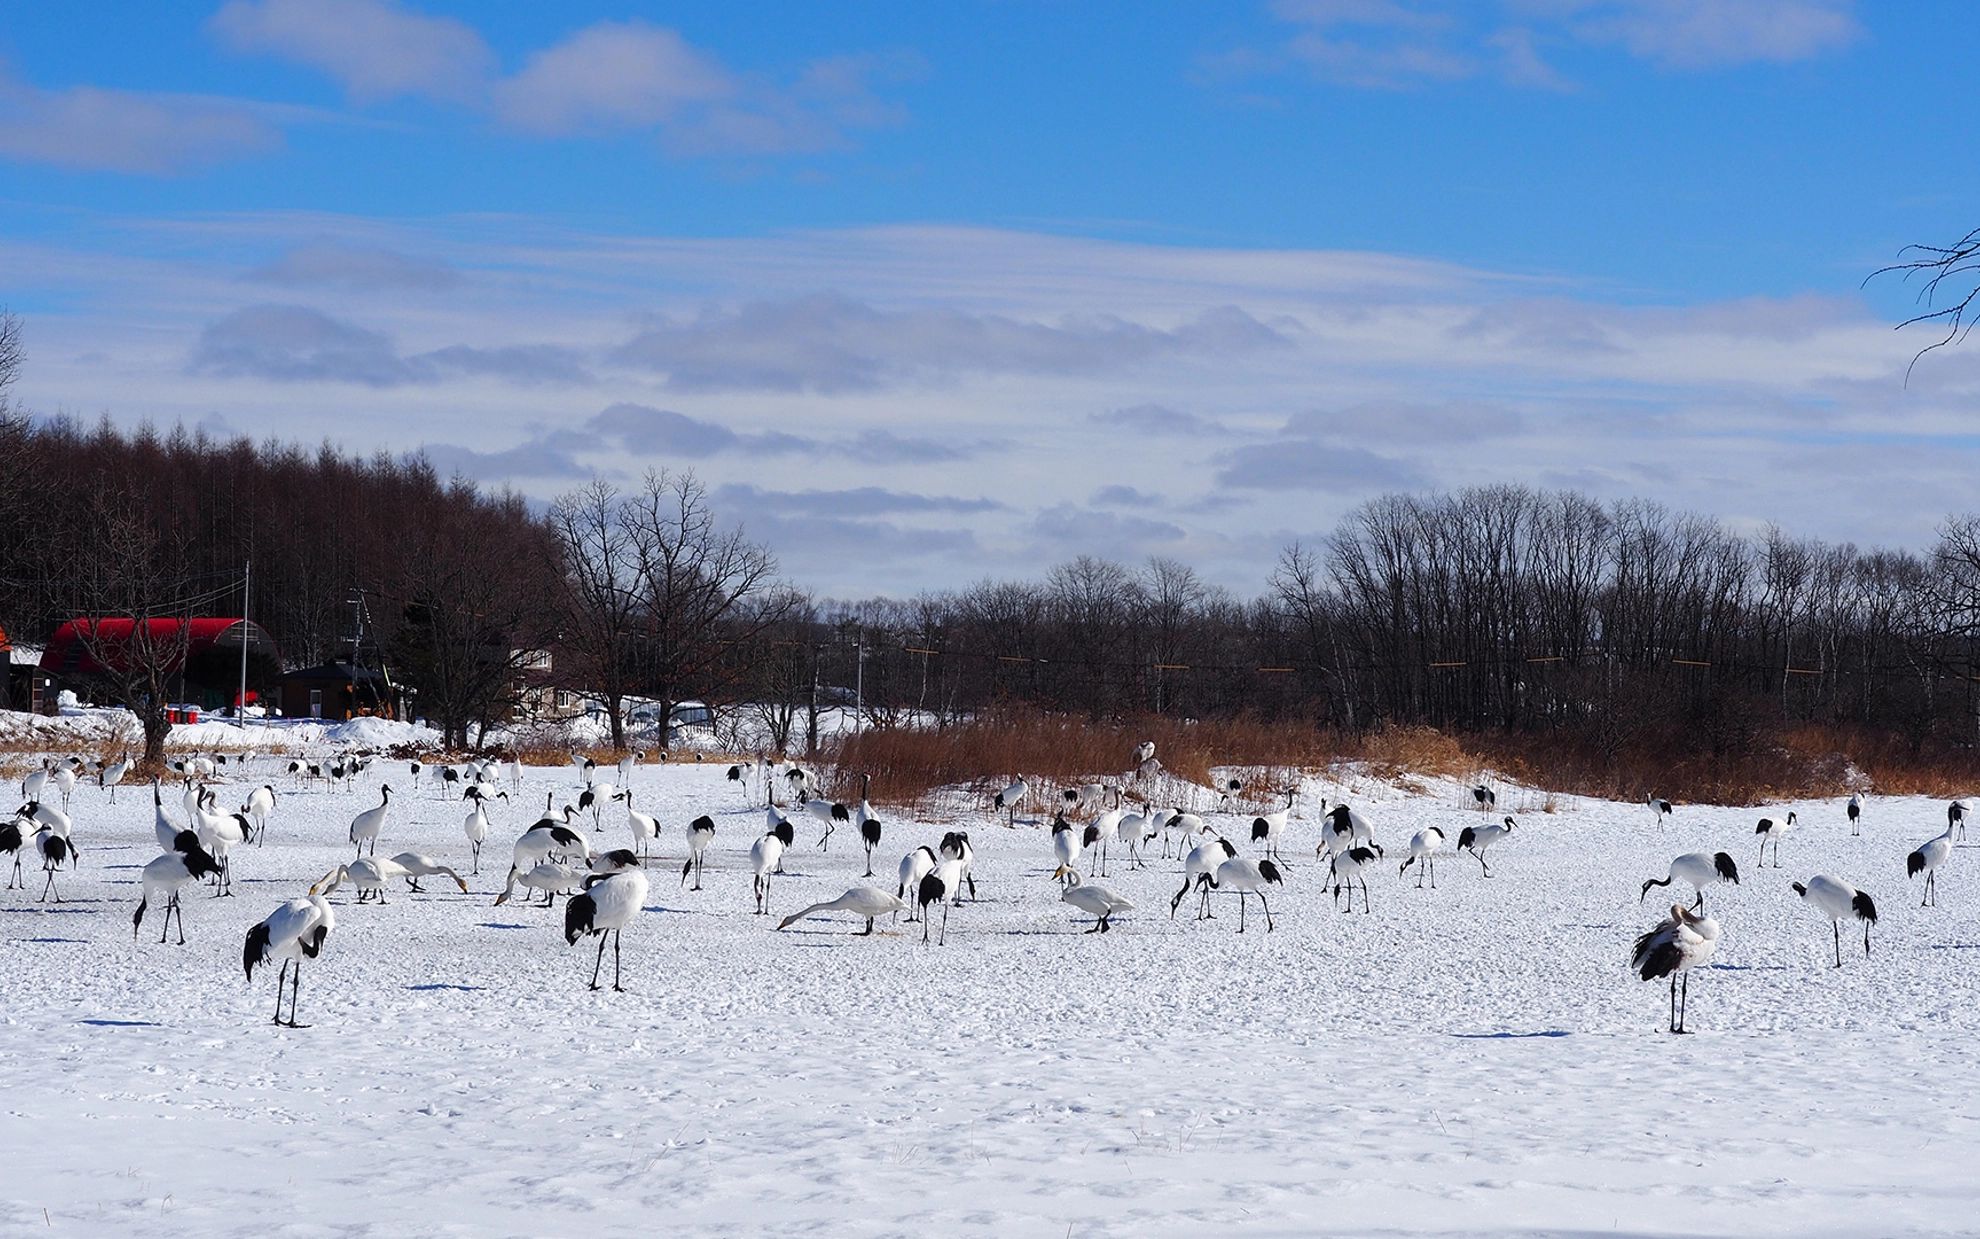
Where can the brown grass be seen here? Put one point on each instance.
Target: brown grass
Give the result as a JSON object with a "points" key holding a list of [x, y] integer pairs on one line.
{"points": [[1054, 752]]}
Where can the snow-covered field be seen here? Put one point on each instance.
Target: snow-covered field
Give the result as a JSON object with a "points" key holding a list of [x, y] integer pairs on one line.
{"points": [[1473, 1059]]}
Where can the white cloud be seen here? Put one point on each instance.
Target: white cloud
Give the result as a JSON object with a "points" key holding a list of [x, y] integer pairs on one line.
{"points": [[154, 134], [375, 49], [611, 76]]}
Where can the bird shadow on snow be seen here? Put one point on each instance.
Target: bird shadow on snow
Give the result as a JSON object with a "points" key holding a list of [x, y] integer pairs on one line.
{"points": [[1512, 1036], [465, 989], [503, 925], [120, 1023], [78, 941]]}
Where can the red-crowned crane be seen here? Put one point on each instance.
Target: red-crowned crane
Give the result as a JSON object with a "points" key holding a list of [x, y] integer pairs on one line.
{"points": [[1672, 948], [1697, 870], [1476, 839], [862, 901], [604, 908], [292, 933], [1839, 901], [1771, 831]]}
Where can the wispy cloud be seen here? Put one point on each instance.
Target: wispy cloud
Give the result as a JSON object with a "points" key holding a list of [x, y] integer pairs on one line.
{"points": [[370, 268], [145, 133], [297, 344], [1392, 45], [830, 343]]}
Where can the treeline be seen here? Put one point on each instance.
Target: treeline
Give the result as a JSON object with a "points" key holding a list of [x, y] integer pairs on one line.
{"points": [[447, 581], [1612, 630], [1615, 632]]}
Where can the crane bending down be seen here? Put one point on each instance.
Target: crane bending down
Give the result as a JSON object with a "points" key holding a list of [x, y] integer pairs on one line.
{"points": [[860, 900]]}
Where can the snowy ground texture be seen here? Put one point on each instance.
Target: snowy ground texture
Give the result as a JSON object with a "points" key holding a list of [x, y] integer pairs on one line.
{"points": [[1470, 1060]]}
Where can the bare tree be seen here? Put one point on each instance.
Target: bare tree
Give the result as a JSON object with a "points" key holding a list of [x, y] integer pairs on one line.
{"points": [[698, 581], [602, 611], [131, 570], [1936, 266]]}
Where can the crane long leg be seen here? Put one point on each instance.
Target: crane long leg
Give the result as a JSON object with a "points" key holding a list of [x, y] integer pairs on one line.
{"points": [[599, 962], [616, 987], [281, 983], [1866, 939], [1837, 927]]}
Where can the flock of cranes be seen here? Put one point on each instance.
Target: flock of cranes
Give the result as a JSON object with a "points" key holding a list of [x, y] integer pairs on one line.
{"points": [[606, 889]]}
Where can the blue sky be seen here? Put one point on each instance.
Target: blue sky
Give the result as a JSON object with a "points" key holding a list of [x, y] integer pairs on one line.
{"points": [[932, 290]]}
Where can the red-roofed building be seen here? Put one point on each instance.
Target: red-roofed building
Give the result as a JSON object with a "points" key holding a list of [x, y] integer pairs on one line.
{"points": [[203, 655]]}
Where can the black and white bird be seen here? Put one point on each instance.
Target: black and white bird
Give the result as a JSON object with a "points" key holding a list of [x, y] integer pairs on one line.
{"points": [[1771, 831], [548, 839], [1476, 839], [56, 850], [1697, 870], [942, 885], [1068, 845], [112, 774], [1269, 828], [292, 933], [870, 829], [1231, 790], [1348, 866], [475, 827], [260, 809], [604, 908], [1926, 859], [832, 814], [1855, 811], [164, 876], [1839, 901], [1011, 796], [1956, 817], [645, 827], [1484, 798], [1200, 864], [1660, 808], [1423, 847], [915, 866], [1103, 903], [764, 856], [700, 833], [366, 825], [862, 901], [1672, 948], [1246, 877], [1343, 828], [955, 846], [13, 839]]}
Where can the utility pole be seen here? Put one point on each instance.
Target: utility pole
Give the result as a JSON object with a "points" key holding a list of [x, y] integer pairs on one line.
{"points": [[859, 685], [247, 582]]}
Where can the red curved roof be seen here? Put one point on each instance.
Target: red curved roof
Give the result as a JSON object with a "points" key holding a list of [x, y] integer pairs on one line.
{"points": [[76, 645]]}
